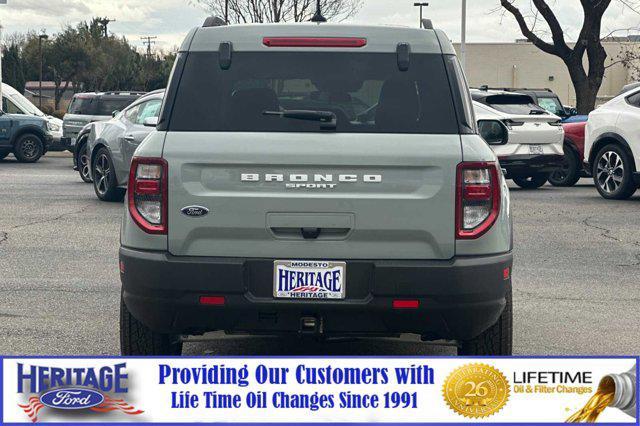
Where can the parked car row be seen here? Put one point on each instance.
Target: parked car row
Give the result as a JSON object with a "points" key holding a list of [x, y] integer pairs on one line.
{"points": [[28, 133], [106, 148], [604, 145], [260, 212]]}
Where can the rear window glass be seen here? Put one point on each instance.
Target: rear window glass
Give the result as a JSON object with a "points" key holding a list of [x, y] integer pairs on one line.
{"points": [[366, 92], [552, 105], [80, 105], [514, 104], [108, 106], [96, 105]]}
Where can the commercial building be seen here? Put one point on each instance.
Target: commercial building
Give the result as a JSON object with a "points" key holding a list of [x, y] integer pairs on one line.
{"points": [[521, 64], [32, 92]]}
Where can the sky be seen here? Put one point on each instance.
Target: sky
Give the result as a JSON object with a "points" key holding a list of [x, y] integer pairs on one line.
{"points": [[170, 20]]}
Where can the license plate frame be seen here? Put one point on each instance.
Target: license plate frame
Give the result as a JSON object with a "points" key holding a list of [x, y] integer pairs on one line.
{"points": [[296, 287]]}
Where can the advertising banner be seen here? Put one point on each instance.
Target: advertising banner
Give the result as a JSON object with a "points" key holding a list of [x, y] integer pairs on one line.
{"points": [[317, 390]]}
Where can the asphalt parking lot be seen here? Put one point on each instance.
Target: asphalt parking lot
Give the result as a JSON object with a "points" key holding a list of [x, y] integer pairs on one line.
{"points": [[576, 291]]}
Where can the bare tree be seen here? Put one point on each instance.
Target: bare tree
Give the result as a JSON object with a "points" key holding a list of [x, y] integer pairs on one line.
{"points": [[629, 58], [262, 11], [586, 77]]}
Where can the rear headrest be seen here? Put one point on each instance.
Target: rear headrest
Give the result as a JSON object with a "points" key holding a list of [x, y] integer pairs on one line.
{"points": [[399, 105]]}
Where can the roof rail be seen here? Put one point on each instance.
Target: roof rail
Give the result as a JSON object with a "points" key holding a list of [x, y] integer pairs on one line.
{"points": [[123, 92], [427, 24], [214, 21], [514, 89]]}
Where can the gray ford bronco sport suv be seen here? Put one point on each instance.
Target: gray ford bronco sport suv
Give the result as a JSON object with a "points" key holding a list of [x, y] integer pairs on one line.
{"points": [[323, 180]]}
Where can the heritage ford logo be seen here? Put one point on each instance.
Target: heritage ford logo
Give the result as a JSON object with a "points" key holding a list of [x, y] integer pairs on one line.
{"points": [[72, 398], [310, 181], [195, 211], [73, 388]]}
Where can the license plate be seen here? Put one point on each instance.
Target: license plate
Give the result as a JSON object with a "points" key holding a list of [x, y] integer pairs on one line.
{"points": [[535, 149], [307, 279]]}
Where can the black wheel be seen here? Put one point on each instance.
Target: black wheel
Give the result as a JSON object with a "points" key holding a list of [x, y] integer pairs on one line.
{"points": [[497, 340], [28, 148], [82, 162], [569, 173], [138, 339], [105, 181], [613, 173], [531, 182], [3, 154]]}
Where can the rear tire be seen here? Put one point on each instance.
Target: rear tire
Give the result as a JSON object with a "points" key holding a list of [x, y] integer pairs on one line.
{"points": [[138, 339], [105, 182], [613, 169], [497, 340], [531, 182], [569, 173], [28, 148], [82, 162]]}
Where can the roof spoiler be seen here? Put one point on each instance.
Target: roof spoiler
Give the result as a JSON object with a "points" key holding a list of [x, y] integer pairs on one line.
{"points": [[427, 24], [214, 21]]}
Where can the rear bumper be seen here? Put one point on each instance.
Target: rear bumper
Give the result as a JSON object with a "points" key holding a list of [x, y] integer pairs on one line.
{"points": [[459, 298], [60, 144], [529, 165]]}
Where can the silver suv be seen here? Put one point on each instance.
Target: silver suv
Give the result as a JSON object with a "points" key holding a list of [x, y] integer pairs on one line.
{"points": [[323, 180]]}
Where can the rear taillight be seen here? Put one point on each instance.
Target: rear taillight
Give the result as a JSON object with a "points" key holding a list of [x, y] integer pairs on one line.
{"points": [[477, 199], [147, 194], [511, 124]]}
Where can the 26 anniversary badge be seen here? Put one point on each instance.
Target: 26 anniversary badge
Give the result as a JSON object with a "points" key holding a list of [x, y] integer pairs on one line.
{"points": [[476, 390]]}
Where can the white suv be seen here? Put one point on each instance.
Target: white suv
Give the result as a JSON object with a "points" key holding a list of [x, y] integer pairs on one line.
{"points": [[612, 146], [527, 139]]}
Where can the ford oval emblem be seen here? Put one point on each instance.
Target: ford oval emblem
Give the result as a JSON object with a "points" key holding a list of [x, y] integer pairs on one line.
{"points": [[195, 211], [72, 398]]}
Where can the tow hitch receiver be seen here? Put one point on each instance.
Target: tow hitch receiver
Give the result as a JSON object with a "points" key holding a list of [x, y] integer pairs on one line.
{"points": [[310, 325]]}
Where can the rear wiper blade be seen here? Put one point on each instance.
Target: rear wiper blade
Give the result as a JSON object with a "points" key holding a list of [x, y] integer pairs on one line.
{"points": [[327, 119]]}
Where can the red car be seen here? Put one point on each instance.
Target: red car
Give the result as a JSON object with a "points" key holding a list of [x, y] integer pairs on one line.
{"points": [[572, 168]]}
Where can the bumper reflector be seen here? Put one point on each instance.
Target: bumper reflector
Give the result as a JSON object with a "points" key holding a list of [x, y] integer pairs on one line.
{"points": [[406, 304], [212, 300]]}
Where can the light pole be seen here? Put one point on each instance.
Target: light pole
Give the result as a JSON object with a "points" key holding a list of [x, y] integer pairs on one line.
{"points": [[226, 12], [41, 37], [1, 98], [463, 42], [421, 5]]}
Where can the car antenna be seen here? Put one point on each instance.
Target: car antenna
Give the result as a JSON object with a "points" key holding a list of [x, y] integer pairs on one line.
{"points": [[318, 16]]}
